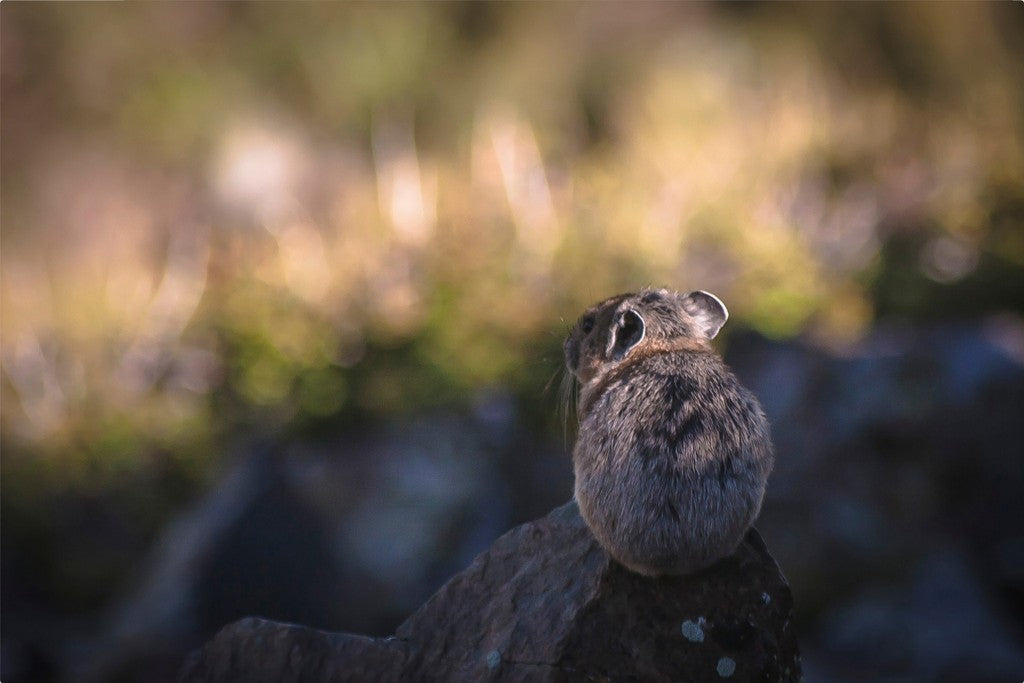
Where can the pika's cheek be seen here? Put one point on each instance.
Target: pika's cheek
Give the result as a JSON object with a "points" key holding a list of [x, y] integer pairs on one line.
{"points": [[587, 370]]}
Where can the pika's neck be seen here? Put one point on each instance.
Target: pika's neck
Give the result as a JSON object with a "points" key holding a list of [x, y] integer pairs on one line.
{"points": [[598, 384]]}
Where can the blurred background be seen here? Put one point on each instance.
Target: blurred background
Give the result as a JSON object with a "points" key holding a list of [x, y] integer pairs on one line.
{"points": [[284, 289]]}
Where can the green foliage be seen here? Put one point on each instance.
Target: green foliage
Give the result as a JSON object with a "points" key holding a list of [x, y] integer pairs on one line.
{"points": [[220, 218]]}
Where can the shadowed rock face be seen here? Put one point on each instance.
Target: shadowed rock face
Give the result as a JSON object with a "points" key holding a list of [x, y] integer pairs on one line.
{"points": [[545, 603]]}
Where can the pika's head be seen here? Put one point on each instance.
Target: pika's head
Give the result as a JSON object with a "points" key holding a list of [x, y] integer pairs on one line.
{"points": [[613, 331]]}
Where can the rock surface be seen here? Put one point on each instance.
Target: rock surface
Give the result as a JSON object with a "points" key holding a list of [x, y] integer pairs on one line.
{"points": [[545, 603]]}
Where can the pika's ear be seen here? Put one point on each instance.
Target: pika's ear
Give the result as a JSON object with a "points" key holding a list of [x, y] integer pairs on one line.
{"points": [[707, 310], [627, 331]]}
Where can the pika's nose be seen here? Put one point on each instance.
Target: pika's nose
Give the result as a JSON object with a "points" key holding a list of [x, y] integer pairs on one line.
{"points": [[572, 355]]}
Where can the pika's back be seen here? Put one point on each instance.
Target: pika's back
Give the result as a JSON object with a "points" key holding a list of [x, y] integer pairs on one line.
{"points": [[673, 453]]}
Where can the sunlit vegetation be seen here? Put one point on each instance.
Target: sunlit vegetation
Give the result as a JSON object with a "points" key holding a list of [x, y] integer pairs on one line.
{"points": [[220, 218]]}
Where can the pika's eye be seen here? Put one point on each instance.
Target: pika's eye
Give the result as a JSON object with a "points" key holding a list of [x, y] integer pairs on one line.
{"points": [[587, 324]]}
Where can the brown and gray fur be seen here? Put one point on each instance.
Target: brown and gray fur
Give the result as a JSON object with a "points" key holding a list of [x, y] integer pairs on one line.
{"points": [[673, 453]]}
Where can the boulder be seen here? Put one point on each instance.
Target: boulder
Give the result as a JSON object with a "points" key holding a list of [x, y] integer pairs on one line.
{"points": [[544, 603]]}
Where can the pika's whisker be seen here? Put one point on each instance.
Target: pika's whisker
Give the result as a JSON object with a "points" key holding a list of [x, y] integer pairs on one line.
{"points": [[551, 380]]}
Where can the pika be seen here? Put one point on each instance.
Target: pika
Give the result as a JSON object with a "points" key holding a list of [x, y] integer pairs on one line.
{"points": [[673, 454]]}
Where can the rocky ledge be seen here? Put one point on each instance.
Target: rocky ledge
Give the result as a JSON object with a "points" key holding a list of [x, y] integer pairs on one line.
{"points": [[544, 603]]}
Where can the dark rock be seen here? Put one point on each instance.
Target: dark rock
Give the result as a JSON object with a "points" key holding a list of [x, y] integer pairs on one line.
{"points": [[254, 650], [545, 603]]}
